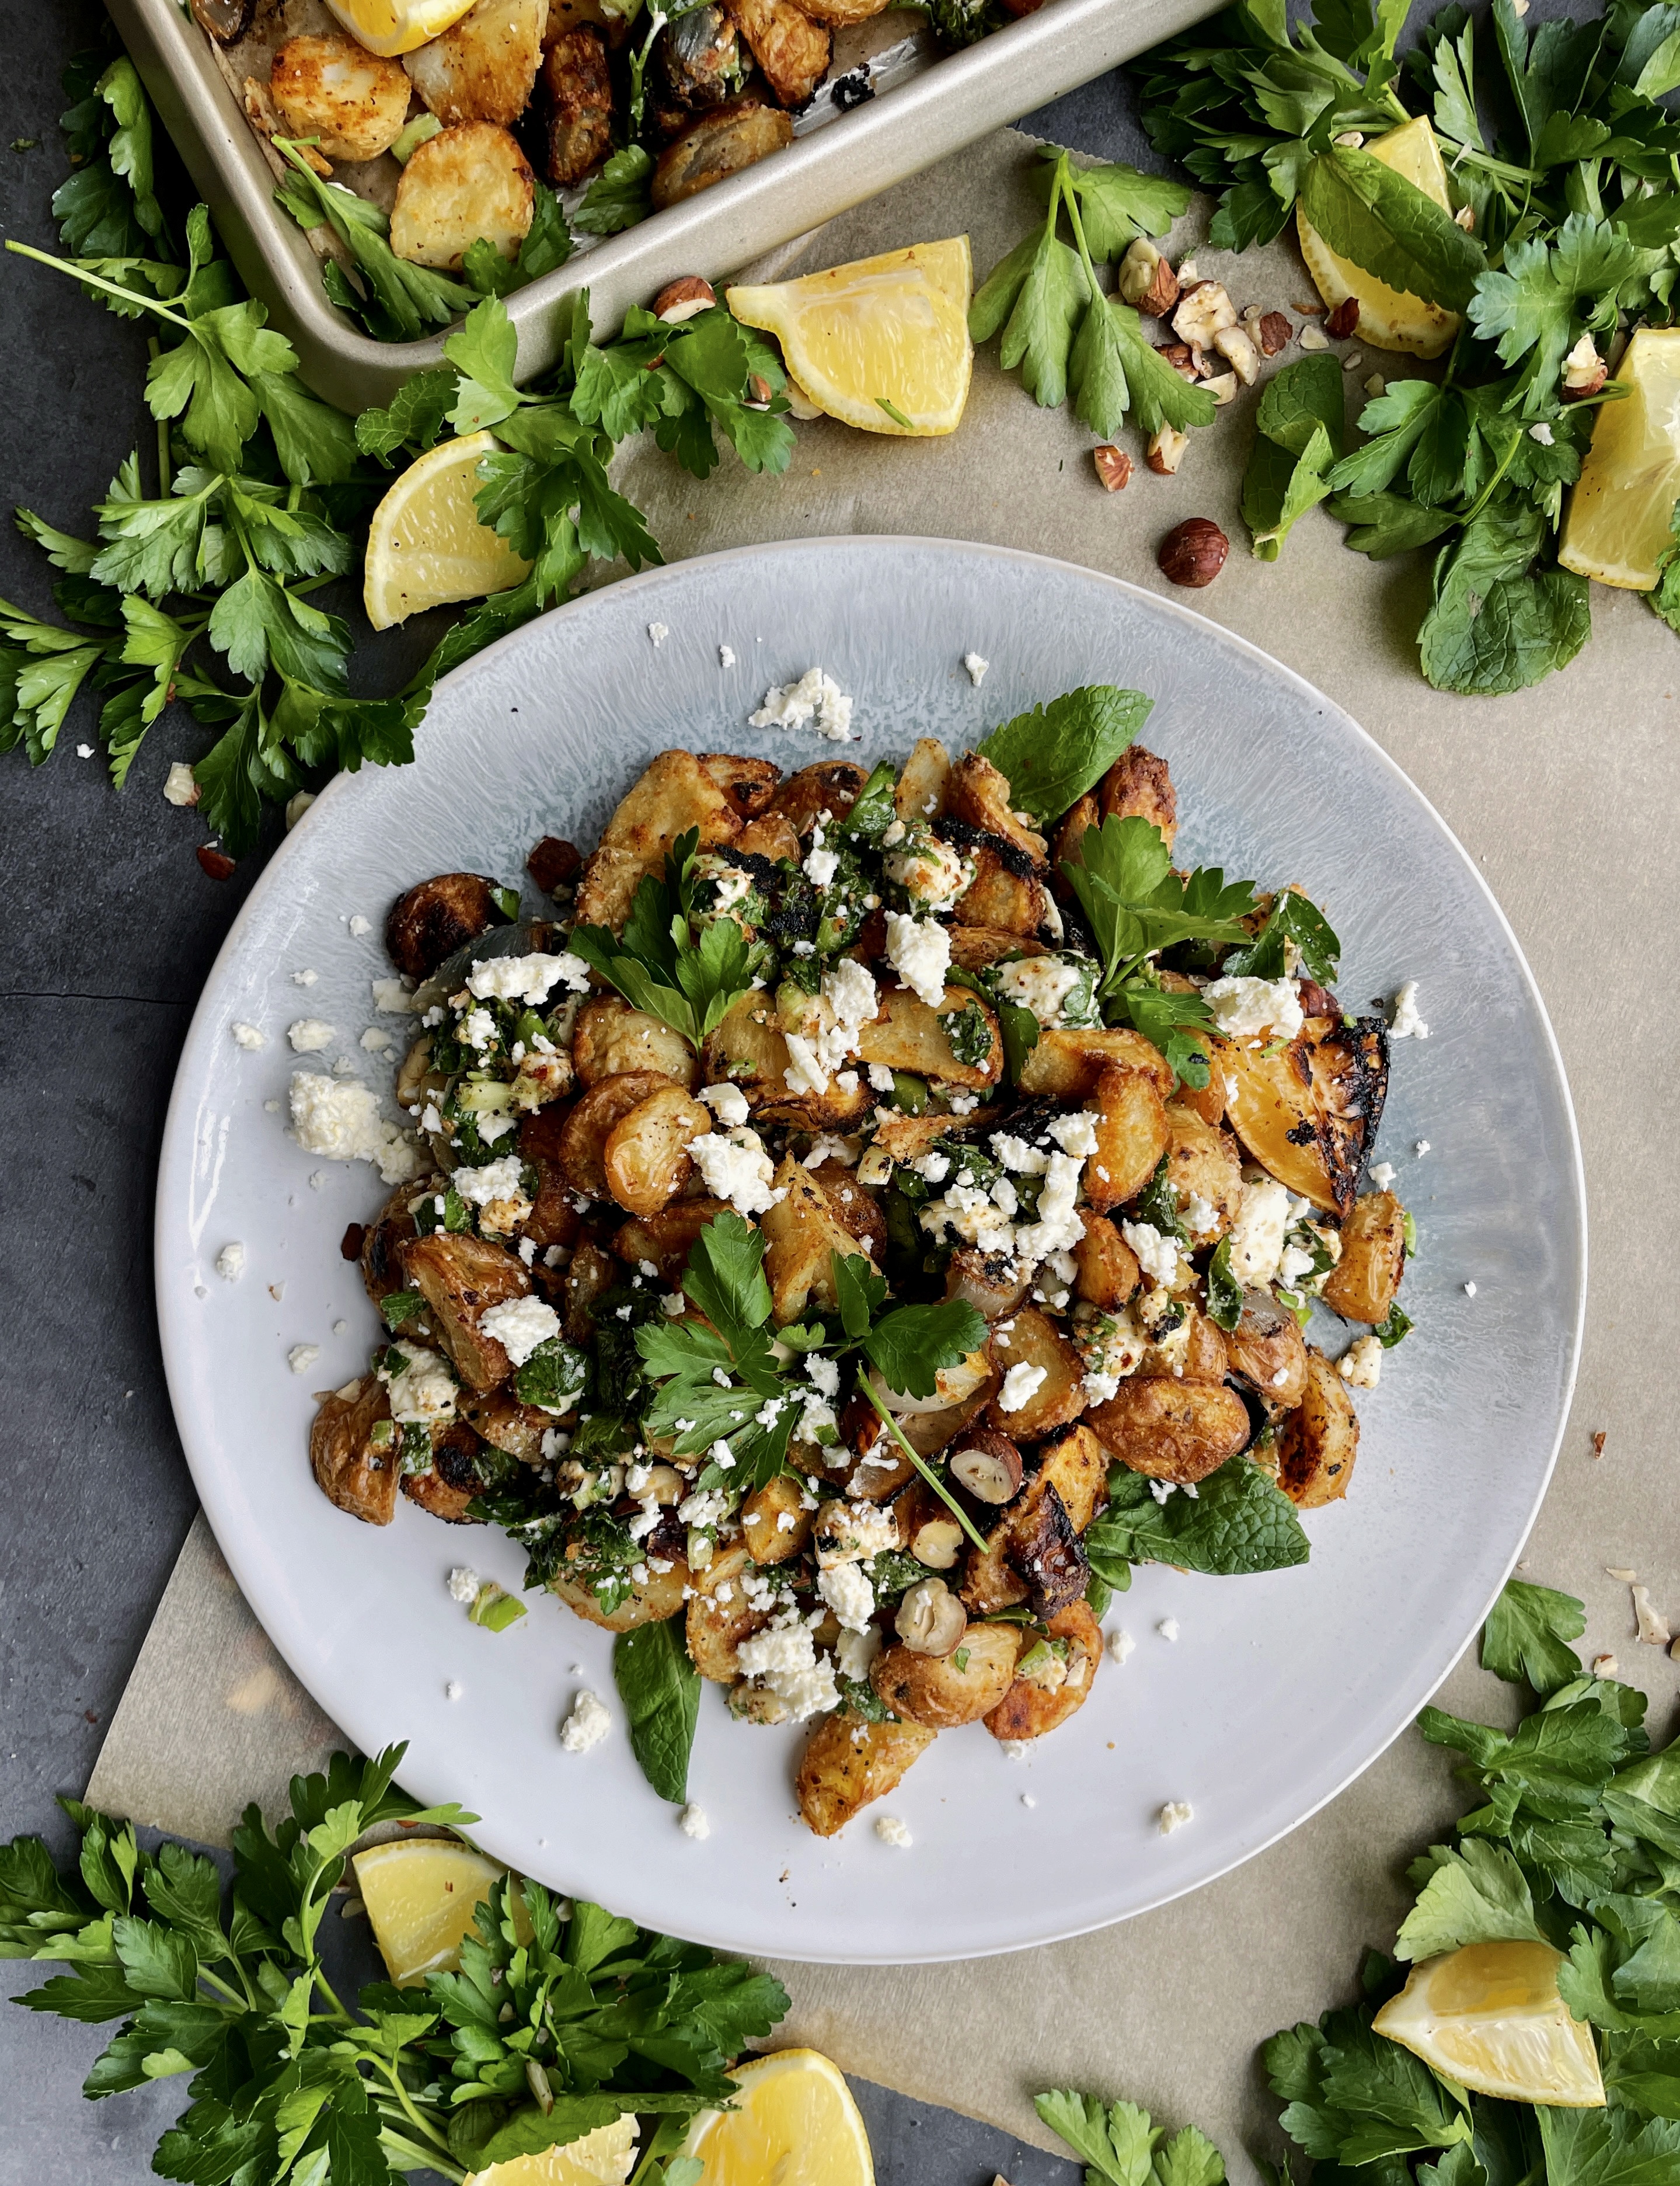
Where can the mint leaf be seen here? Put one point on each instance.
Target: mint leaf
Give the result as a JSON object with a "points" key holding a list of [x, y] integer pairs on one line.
{"points": [[1298, 435], [1497, 622], [1528, 1633], [1382, 222], [1237, 1522], [660, 1688], [1603, 2147], [1054, 754]]}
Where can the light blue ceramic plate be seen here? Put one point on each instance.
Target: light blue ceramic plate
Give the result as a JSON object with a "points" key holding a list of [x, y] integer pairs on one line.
{"points": [[1279, 1689]]}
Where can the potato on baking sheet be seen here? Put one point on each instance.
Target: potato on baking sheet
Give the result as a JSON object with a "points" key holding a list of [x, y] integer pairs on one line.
{"points": [[460, 185], [483, 68], [353, 103]]}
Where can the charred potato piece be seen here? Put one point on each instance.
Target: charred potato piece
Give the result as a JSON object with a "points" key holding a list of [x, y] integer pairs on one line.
{"points": [[1200, 1354], [452, 1479], [610, 1038], [989, 1581], [837, 12], [849, 1762], [1073, 1474], [591, 1274], [769, 836], [979, 794], [1361, 1285], [749, 784], [1132, 1134], [1267, 1349], [976, 948], [1069, 1060], [802, 1235], [646, 1159], [460, 1277], [1203, 1159], [909, 1036], [1107, 1267], [853, 1207], [1139, 787], [1309, 1114], [905, 1137], [501, 1419], [673, 794], [791, 50], [830, 787], [381, 1244], [700, 58], [462, 184], [1031, 1338], [1006, 892], [1067, 845], [1041, 1701], [576, 105], [1179, 1430], [736, 135], [748, 1048], [482, 69], [1075, 1464], [666, 1239], [719, 1616], [660, 1596], [1320, 1440], [351, 1469], [993, 1283], [427, 925], [769, 1541], [334, 90], [933, 1691], [590, 1124], [1045, 1548], [921, 791]]}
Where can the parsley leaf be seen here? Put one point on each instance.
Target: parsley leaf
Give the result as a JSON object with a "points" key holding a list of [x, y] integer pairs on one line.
{"points": [[1476, 1894], [1530, 304], [1123, 2147], [658, 966], [1055, 753], [1528, 1633], [911, 1346], [619, 196]]}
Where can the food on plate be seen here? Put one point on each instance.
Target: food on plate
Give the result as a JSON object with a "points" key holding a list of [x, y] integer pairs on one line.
{"points": [[848, 1233]]}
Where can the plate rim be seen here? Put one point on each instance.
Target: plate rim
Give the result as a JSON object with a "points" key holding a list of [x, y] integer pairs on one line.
{"points": [[178, 1139]]}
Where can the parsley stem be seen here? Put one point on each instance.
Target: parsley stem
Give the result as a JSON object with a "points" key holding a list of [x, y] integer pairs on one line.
{"points": [[130, 296], [417, 2158], [211, 1981], [926, 1471], [154, 351]]}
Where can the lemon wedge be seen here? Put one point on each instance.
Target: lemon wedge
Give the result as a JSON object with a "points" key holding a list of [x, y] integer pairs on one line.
{"points": [[601, 2158], [426, 546], [1616, 525], [397, 26], [881, 344], [1389, 318], [796, 2125], [1489, 2016], [421, 1893]]}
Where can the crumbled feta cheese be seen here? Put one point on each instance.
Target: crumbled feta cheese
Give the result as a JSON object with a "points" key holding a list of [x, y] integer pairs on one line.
{"points": [[1121, 1644], [528, 979], [587, 1725], [784, 1657], [855, 1651], [491, 1181], [726, 655], [1406, 1023], [309, 1035], [1257, 1234], [1470, 1289], [824, 1374], [1020, 1385], [1039, 984], [892, 1831], [692, 1821], [880, 1077], [302, 1356], [180, 785], [1168, 1628], [393, 997], [977, 668], [821, 864], [423, 1389], [1542, 433], [1202, 1217], [1421, 1148], [932, 873], [1076, 1134], [376, 1039], [1176, 1811], [847, 1590], [920, 952], [815, 698], [340, 1119], [463, 1584], [247, 1036], [658, 632], [452, 1689], [519, 1325], [1360, 1365], [1157, 1255], [1382, 1175], [735, 1166], [230, 1263], [727, 1102], [1243, 1008], [305, 978]]}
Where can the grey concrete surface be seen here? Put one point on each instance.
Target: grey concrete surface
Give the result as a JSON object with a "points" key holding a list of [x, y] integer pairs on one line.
{"points": [[109, 929]]}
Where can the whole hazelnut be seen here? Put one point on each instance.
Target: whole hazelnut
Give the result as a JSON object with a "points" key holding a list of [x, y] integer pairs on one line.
{"points": [[1193, 552], [1343, 319], [684, 299], [1113, 466]]}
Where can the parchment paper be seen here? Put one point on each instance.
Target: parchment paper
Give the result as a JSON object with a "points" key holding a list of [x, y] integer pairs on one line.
{"points": [[1569, 796]]}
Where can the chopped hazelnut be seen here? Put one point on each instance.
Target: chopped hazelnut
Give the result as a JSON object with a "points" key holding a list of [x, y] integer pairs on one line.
{"points": [[989, 1465], [1343, 319], [1584, 371], [1312, 337], [1146, 281], [1201, 312], [1165, 449], [1222, 388], [1193, 552], [554, 863], [684, 299], [1113, 466], [1182, 358], [216, 863], [1275, 333], [757, 395], [1240, 353], [931, 1620], [1465, 217]]}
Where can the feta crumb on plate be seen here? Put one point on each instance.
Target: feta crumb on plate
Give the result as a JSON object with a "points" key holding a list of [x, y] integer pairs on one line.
{"points": [[1168, 1628], [1470, 1289], [1121, 1644], [1406, 1023], [977, 667], [816, 700], [393, 996], [464, 1584], [658, 632], [1360, 1365], [892, 1831], [694, 1823], [230, 1263], [306, 977], [359, 925], [1382, 1175], [1174, 1816], [302, 1356], [309, 1035], [247, 1036], [587, 1725], [726, 655]]}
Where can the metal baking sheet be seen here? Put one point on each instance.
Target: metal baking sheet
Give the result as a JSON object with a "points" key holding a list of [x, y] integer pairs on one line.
{"points": [[926, 107]]}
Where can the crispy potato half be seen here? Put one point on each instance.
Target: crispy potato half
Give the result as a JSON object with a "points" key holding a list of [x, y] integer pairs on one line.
{"points": [[791, 49], [1056, 1686], [802, 1235], [1137, 786], [909, 1036], [770, 1540], [645, 1158], [660, 1597], [590, 1125], [1320, 1440], [610, 1037], [849, 1762], [716, 145], [923, 779], [351, 1468], [1069, 1060], [945, 1691], [1132, 1134], [1179, 1430], [1031, 1339], [334, 90], [483, 68], [719, 1616], [460, 1277], [463, 183], [1362, 1284], [1309, 1113], [1202, 1159]]}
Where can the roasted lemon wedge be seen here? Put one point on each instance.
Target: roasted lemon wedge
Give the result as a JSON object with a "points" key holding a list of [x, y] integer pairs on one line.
{"points": [[1490, 2017], [397, 26], [1389, 318], [796, 2125], [426, 547], [1616, 525], [421, 1894], [881, 344], [601, 2158]]}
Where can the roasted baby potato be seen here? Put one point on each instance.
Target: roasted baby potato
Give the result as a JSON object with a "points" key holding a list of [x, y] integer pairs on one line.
{"points": [[945, 1691], [1068, 1061], [830, 787], [748, 1048], [852, 1206], [590, 1123], [349, 100], [769, 836], [461, 1277], [791, 50], [1138, 786], [1076, 1465], [483, 68], [836, 12], [1202, 1159], [666, 1239], [848, 1761], [1031, 1338], [462, 184], [659, 1596], [769, 1541], [576, 105], [673, 794], [1179, 1430], [1320, 1440], [1309, 1114], [716, 145], [610, 1038], [452, 1479], [1007, 891], [921, 791], [501, 1419], [432, 921], [1107, 1267], [1133, 1135], [351, 1468], [1267, 1349], [590, 1276], [749, 784], [909, 1036], [1361, 1285], [1056, 1687], [802, 1235], [645, 1158], [719, 1616], [381, 1244], [979, 795], [700, 61], [974, 948]]}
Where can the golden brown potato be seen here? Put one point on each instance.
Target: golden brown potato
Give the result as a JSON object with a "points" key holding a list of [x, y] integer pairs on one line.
{"points": [[449, 1484], [1318, 1441], [852, 1206], [749, 784], [349, 100], [768, 1540], [1361, 1285], [909, 1036], [945, 1691], [802, 1236], [1076, 1465], [849, 1762], [1069, 1060], [483, 67], [1308, 1114], [590, 1123], [1267, 1349], [659, 1598], [1006, 892], [666, 1239], [381, 1244], [353, 1452], [830, 788], [553, 1219], [610, 1037], [716, 145], [1199, 1354], [590, 1276], [974, 948], [646, 1159], [749, 1049], [1138, 785], [1067, 845], [576, 105], [769, 836], [978, 793], [921, 791], [1107, 1267], [1033, 1551], [673, 794], [1030, 1338], [719, 1616], [498, 1417], [1056, 1689], [836, 12], [905, 1137], [791, 49], [1133, 1135], [433, 920], [460, 1277], [460, 185], [1202, 1159], [1172, 1429]]}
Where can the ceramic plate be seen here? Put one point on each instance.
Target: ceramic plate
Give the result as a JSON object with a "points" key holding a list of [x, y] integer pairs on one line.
{"points": [[1277, 1689]]}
